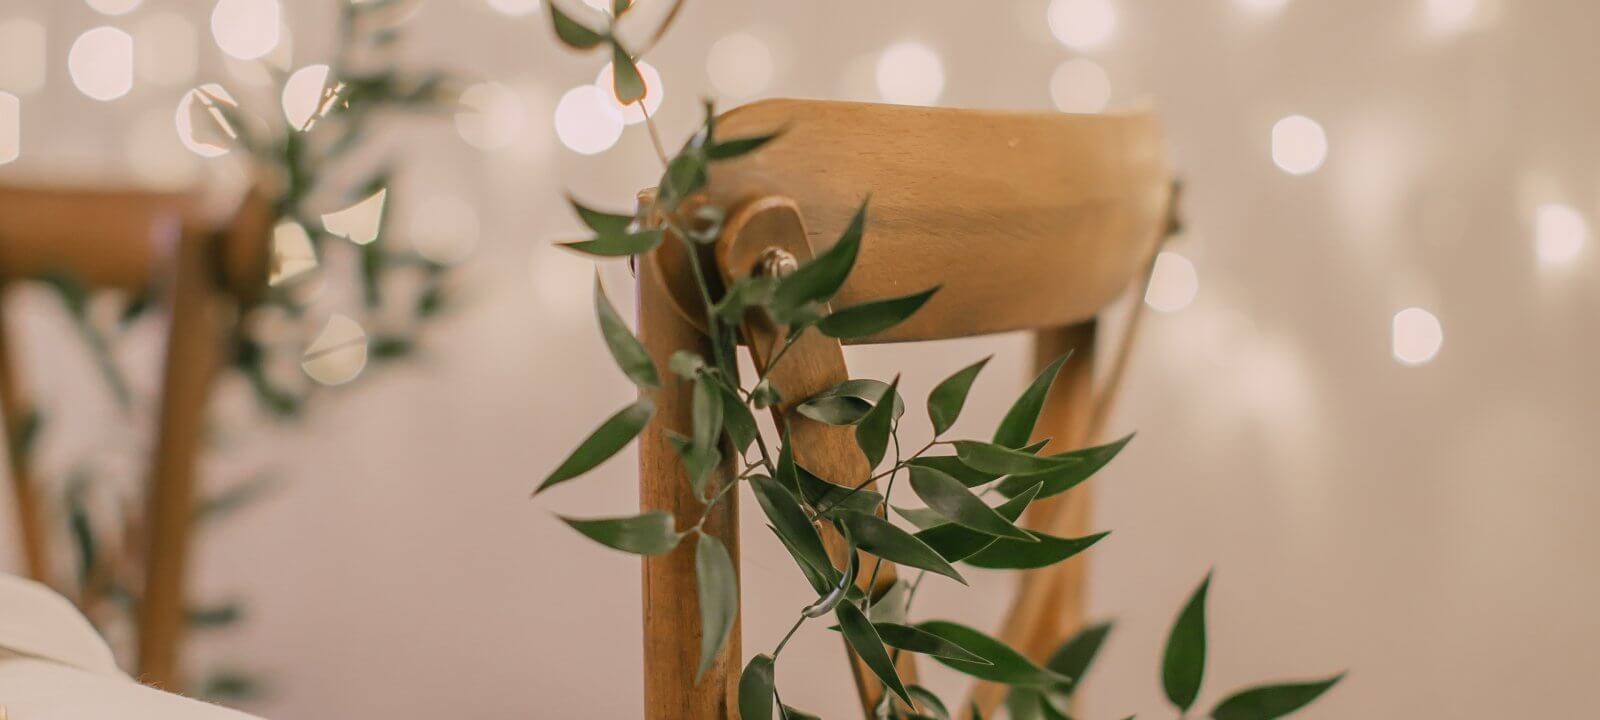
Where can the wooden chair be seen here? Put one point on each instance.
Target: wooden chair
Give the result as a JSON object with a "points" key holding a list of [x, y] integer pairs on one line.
{"points": [[134, 240], [1028, 221]]}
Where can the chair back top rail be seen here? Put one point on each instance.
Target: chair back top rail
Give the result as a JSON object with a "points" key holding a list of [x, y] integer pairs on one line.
{"points": [[1026, 220]]}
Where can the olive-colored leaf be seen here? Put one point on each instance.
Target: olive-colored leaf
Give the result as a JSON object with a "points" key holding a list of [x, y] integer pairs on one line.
{"points": [[932, 707], [652, 533], [1184, 665], [718, 586], [818, 280], [210, 617], [1017, 426], [572, 33], [878, 537], [858, 631], [873, 317], [618, 8], [872, 433], [686, 174], [820, 581], [950, 395], [602, 223], [737, 419], [917, 640], [755, 689], [618, 245], [706, 423], [790, 713], [764, 395], [1075, 655], [625, 78], [1088, 462], [729, 149], [1047, 550], [790, 522], [956, 543], [746, 293], [848, 402], [829, 498], [1024, 703], [1269, 702], [947, 496], [952, 466], [699, 463], [921, 518], [890, 605], [1003, 460], [976, 713], [842, 591], [1005, 665], [612, 435], [625, 348]]}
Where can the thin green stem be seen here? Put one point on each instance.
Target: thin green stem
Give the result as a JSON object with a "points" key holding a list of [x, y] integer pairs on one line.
{"points": [[864, 483], [877, 564], [785, 641]]}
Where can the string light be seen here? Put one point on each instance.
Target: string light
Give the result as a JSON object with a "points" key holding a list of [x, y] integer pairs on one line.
{"points": [[303, 95], [1082, 24], [202, 126], [1080, 86], [101, 63], [339, 352], [1173, 283], [22, 55], [360, 223], [587, 120], [1299, 145], [739, 66], [10, 128], [113, 7], [247, 29], [1559, 233], [293, 254], [1417, 336], [910, 73], [1446, 17]]}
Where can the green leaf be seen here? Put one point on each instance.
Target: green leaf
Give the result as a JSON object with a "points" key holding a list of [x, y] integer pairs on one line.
{"points": [[790, 713], [686, 364], [746, 293], [718, 585], [821, 582], [616, 432], [829, 498], [917, 640], [873, 317], [1017, 426], [621, 245], [729, 149], [706, 414], [737, 419], [652, 533], [625, 348], [848, 402], [764, 395], [755, 689], [686, 174], [878, 537], [858, 631], [872, 433], [214, 616], [1185, 663], [1005, 665], [602, 223], [233, 498], [817, 281], [1088, 462], [1075, 655], [952, 466], [947, 496], [618, 7], [572, 33], [956, 543], [921, 518], [791, 523], [890, 606], [1268, 702], [1006, 554], [625, 77], [1002, 460], [1024, 703], [932, 706], [948, 397], [976, 713]]}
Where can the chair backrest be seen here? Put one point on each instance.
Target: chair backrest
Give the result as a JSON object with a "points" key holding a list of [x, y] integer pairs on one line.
{"points": [[1027, 220]]}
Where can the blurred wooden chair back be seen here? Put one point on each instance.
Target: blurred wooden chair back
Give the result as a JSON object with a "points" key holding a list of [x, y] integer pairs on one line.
{"points": [[1027, 221], [136, 241]]}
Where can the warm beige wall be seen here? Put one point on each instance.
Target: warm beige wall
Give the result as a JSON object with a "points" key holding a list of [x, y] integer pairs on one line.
{"points": [[1427, 527]]}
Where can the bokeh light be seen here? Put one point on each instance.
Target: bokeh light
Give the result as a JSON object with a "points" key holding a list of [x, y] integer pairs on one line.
{"points": [[247, 29], [514, 8], [739, 66], [101, 63], [202, 127], [164, 51], [293, 254], [22, 56], [303, 95], [1080, 86], [910, 73], [1173, 283], [444, 229], [1417, 336], [654, 91], [1082, 24], [339, 352], [10, 127], [114, 7], [1299, 145], [1446, 17], [587, 120], [1559, 233], [491, 116], [360, 223]]}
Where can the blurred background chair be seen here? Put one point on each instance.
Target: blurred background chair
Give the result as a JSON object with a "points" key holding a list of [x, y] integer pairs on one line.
{"points": [[204, 268], [1026, 221]]}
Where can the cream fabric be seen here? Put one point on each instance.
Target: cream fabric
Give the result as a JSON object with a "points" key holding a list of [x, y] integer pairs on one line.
{"points": [[53, 666]]}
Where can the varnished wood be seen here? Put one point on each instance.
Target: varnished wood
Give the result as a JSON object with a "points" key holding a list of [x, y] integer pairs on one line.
{"points": [[671, 605], [1059, 211], [103, 238]]}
